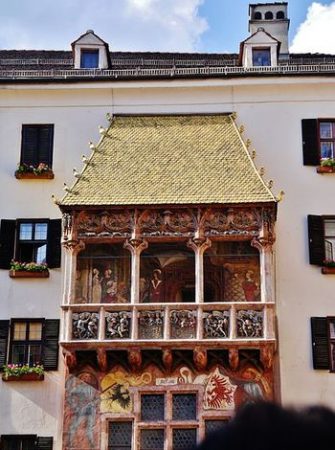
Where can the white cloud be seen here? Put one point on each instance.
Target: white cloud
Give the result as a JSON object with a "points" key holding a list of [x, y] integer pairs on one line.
{"points": [[147, 25], [317, 33]]}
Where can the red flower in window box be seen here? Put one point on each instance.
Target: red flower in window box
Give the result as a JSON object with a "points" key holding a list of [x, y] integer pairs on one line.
{"points": [[28, 270], [327, 166], [23, 372], [328, 267], [42, 171]]}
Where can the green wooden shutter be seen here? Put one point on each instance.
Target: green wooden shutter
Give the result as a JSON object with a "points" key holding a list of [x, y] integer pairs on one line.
{"points": [[50, 344], [320, 343], [44, 443], [310, 143], [54, 245], [4, 332], [316, 240], [7, 242]]}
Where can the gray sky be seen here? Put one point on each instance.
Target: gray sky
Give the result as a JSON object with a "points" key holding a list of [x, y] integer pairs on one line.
{"points": [[156, 25]]}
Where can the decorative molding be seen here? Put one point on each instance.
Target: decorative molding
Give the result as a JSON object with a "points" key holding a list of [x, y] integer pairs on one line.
{"points": [[266, 356], [118, 325], [135, 359], [85, 325], [249, 323], [167, 358], [216, 324], [200, 358], [106, 223], [231, 221], [73, 245], [180, 222]]}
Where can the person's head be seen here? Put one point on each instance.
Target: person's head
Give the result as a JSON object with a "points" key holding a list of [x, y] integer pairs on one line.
{"points": [[267, 426]]}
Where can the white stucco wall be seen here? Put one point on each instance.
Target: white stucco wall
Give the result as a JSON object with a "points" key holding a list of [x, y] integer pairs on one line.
{"points": [[271, 109]]}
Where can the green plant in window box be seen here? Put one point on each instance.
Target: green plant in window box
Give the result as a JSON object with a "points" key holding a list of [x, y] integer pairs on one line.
{"points": [[28, 266], [328, 263], [42, 170], [18, 371], [329, 162]]}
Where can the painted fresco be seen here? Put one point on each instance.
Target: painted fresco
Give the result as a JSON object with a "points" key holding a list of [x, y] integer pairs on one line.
{"points": [[167, 274], [231, 272], [103, 275]]}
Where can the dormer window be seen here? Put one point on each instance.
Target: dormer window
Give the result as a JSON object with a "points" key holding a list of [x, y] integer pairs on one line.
{"points": [[261, 57], [89, 59]]}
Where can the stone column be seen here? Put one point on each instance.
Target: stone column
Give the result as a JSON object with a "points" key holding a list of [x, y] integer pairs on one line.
{"points": [[135, 246], [72, 247], [199, 246]]}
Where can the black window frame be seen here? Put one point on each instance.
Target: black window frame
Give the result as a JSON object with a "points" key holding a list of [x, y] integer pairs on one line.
{"points": [[49, 341], [39, 442], [36, 148], [34, 243], [323, 343], [9, 241], [311, 140], [26, 343], [317, 239]]}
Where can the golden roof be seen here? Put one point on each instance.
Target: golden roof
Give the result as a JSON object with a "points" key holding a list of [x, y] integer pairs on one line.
{"points": [[176, 159]]}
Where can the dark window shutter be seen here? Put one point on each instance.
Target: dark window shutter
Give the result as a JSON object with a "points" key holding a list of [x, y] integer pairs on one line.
{"points": [[54, 246], [4, 332], [45, 144], [310, 143], [44, 443], [29, 145], [7, 242], [50, 344], [320, 343], [316, 240]]}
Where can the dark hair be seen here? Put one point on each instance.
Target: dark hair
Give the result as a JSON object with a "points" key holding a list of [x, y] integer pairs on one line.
{"points": [[267, 426]]}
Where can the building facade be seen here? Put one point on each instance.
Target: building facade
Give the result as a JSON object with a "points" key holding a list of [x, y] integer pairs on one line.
{"points": [[183, 288]]}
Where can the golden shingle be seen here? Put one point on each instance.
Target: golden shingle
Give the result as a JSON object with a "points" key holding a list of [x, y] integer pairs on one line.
{"points": [[184, 159]]}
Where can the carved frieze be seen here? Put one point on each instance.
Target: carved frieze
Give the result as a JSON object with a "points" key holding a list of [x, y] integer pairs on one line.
{"points": [[216, 324], [231, 222], [151, 324], [85, 325], [249, 323], [183, 324], [118, 325], [107, 223], [167, 223]]}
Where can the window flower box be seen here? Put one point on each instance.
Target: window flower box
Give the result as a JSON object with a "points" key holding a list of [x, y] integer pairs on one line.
{"points": [[30, 172], [23, 372], [24, 377], [28, 270], [326, 270], [327, 166]]}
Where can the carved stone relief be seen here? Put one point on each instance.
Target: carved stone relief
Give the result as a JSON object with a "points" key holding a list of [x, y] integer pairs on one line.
{"points": [[151, 324], [118, 325], [216, 324], [249, 323], [231, 222], [167, 223], [107, 223], [85, 325], [183, 324]]}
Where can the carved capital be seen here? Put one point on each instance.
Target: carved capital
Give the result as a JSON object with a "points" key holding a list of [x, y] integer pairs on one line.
{"points": [[266, 356], [263, 243], [73, 246], [200, 358], [135, 245], [234, 359], [167, 358], [135, 359], [199, 244], [102, 359], [70, 359]]}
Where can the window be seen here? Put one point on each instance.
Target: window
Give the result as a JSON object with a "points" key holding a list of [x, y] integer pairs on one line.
{"points": [[37, 144], [323, 343], [25, 442], [268, 15], [120, 435], [213, 425], [28, 240], [318, 139], [280, 15], [258, 16], [31, 341], [261, 57], [321, 236], [89, 59]]}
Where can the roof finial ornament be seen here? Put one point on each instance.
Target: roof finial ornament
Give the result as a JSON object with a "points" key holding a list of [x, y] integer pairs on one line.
{"points": [[102, 130], [234, 115], [92, 146], [109, 117], [241, 129], [248, 143], [55, 199], [85, 159], [270, 184], [261, 171], [253, 154], [280, 196], [76, 173], [66, 188]]}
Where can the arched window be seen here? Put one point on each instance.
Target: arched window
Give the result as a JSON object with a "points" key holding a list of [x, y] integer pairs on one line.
{"points": [[280, 15], [268, 15], [258, 16]]}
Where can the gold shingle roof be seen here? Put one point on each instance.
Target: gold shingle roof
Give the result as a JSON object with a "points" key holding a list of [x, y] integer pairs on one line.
{"points": [[181, 159]]}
